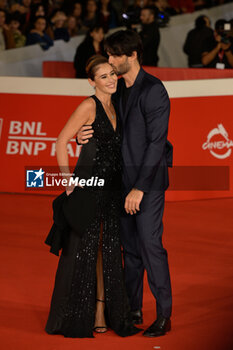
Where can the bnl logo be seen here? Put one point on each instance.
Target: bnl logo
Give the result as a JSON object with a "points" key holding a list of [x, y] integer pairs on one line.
{"points": [[35, 178]]}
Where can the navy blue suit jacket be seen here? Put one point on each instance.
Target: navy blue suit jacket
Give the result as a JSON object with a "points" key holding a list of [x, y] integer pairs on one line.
{"points": [[146, 152]]}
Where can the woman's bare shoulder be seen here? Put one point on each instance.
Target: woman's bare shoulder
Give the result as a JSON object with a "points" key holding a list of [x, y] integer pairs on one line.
{"points": [[85, 110], [87, 105]]}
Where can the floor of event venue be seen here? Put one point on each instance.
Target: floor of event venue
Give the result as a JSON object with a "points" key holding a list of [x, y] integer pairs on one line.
{"points": [[199, 239]]}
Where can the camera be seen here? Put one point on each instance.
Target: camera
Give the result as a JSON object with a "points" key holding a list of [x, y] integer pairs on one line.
{"points": [[224, 29], [133, 17]]}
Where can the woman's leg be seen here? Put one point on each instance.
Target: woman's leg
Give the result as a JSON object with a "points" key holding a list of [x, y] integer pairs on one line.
{"points": [[100, 297]]}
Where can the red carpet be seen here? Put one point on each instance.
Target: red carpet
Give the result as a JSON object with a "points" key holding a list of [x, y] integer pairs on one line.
{"points": [[199, 239]]}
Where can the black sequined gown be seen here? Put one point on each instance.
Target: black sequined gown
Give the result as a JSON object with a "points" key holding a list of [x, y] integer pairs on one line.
{"points": [[72, 311]]}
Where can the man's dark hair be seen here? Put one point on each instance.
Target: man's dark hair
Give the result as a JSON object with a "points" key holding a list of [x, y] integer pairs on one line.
{"points": [[200, 22], [124, 42]]}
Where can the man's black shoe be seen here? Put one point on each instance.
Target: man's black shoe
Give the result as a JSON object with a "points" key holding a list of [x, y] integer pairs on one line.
{"points": [[160, 327], [137, 316]]}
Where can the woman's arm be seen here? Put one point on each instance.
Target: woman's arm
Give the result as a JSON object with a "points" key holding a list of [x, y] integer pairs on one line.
{"points": [[84, 114]]}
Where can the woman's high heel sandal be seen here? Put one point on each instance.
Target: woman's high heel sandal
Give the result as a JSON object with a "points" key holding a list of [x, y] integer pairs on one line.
{"points": [[99, 329]]}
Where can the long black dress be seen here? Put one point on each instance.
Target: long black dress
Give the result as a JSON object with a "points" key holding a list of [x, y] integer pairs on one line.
{"points": [[72, 311]]}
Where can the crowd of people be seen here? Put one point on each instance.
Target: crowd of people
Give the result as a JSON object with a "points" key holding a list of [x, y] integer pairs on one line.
{"points": [[204, 46], [28, 22]]}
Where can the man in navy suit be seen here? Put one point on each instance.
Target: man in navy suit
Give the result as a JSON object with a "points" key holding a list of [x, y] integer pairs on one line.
{"points": [[144, 108]]}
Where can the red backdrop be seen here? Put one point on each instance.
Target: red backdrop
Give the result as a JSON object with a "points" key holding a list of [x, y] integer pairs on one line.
{"points": [[29, 125], [60, 69]]}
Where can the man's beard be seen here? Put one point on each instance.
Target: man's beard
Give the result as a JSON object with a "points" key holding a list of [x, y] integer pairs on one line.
{"points": [[122, 69]]}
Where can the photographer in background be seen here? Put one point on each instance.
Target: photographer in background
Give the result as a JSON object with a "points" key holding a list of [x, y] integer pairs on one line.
{"points": [[195, 39], [131, 18], [150, 37], [217, 51]]}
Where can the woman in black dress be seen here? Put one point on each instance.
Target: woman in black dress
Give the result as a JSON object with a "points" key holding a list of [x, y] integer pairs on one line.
{"points": [[89, 292]]}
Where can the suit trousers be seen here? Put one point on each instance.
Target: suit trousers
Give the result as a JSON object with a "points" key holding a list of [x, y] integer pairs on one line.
{"points": [[141, 237]]}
